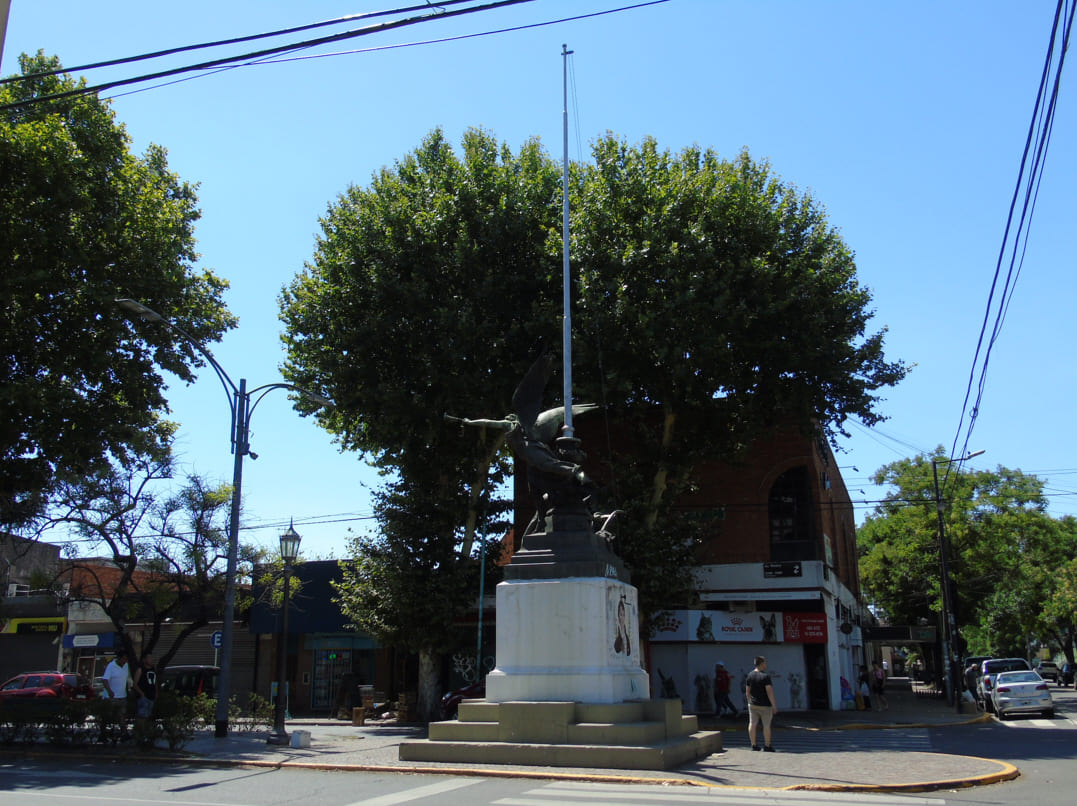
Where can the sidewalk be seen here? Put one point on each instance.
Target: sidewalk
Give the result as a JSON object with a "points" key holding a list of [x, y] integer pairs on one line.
{"points": [[337, 745]]}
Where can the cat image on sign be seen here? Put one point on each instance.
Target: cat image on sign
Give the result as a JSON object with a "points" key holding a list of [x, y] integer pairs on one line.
{"points": [[770, 628], [669, 688], [705, 630]]}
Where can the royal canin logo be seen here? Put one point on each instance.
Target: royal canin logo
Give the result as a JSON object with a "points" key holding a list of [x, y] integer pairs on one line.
{"points": [[736, 620]]}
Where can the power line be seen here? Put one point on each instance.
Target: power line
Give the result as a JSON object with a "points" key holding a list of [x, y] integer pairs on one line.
{"points": [[1040, 129], [309, 43], [233, 41]]}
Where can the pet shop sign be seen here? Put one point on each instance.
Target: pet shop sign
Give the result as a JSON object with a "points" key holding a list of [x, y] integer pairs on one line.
{"points": [[804, 628], [754, 628]]}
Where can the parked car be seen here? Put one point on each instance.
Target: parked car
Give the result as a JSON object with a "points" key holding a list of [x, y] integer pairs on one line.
{"points": [[1021, 693], [190, 681], [38, 687], [451, 701], [991, 669], [1047, 669], [1065, 675]]}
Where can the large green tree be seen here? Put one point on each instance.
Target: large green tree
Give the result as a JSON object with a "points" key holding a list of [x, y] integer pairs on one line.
{"points": [[1004, 554], [714, 302], [83, 221]]}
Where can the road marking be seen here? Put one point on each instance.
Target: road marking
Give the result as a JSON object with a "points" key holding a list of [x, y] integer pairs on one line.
{"points": [[594, 794], [408, 795], [62, 796]]}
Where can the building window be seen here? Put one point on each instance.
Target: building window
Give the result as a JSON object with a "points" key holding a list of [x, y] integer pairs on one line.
{"points": [[792, 521]]}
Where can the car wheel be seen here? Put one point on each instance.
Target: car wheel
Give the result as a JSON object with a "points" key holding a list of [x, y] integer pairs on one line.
{"points": [[1049, 713]]}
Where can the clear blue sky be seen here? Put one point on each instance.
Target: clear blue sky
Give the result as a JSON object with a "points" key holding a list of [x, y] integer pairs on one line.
{"points": [[906, 120]]}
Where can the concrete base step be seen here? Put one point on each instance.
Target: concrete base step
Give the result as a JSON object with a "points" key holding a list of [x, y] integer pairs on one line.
{"points": [[660, 756], [642, 735]]}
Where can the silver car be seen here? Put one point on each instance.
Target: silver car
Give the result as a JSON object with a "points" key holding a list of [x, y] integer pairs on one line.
{"points": [[1021, 693]]}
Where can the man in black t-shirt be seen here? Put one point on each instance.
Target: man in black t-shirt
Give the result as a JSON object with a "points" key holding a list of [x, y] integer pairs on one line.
{"points": [[761, 702]]}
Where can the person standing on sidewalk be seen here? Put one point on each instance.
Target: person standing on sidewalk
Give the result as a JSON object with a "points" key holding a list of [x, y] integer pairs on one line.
{"points": [[878, 687], [116, 680], [762, 706], [145, 685]]}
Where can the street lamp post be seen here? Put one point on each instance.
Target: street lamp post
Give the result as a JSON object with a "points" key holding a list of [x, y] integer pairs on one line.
{"points": [[241, 406], [949, 619], [289, 550]]}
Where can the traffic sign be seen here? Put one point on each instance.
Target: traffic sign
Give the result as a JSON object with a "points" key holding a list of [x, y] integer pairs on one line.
{"points": [[216, 639]]}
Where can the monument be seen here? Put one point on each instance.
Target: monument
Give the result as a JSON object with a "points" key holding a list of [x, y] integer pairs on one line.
{"points": [[568, 688]]}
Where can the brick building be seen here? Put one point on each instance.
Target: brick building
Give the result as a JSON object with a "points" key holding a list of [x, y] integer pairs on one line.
{"points": [[777, 575]]}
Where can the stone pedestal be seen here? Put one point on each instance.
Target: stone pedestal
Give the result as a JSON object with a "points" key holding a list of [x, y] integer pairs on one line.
{"points": [[574, 640]]}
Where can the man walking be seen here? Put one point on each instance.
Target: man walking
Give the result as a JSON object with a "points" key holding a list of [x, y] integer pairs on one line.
{"points": [[723, 681], [762, 706]]}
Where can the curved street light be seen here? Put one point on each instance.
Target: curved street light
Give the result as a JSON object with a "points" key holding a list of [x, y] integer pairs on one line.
{"points": [[949, 619], [239, 402]]}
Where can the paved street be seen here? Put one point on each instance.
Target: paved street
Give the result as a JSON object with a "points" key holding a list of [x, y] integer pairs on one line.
{"points": [[920, 742]]}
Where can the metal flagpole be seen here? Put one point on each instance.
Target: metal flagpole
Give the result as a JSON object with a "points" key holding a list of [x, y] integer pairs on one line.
{"points": [[567, 279]]}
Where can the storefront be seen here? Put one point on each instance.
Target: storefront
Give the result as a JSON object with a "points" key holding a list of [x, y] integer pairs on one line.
{"points": [[686, 644], [28, 644]]}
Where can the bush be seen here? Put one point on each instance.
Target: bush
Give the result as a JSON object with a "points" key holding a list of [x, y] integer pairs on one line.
{"points": [[258, 716], [67, 725], [178, 718], [17, 725]]}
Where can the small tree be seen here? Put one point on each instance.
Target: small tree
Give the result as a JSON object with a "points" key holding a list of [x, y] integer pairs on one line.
{"points": [[168, 553]]}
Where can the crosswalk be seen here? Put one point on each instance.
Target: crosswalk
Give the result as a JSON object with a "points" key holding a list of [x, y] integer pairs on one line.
{"points": [[1064, 722], [838, 741], [565, 793]]}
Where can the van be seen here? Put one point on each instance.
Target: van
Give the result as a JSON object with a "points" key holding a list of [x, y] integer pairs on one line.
{"points": [[190, 681]]}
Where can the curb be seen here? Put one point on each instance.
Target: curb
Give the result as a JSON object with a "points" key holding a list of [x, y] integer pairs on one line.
{"points": [[1007, 772]]}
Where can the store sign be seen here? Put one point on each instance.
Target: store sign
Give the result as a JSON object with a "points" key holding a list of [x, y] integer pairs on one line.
{"points": [[804, 628], [719, 626], [38, 626]]}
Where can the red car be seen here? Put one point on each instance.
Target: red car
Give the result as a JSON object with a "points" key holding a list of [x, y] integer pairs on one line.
{"points": [[52, 685]]}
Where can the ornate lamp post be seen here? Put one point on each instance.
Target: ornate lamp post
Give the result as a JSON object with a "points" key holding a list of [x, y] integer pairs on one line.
{"points": [[289, 550], [949, 619], [241, 406]]}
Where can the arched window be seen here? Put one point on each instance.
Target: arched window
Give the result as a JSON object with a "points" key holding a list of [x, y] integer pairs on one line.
{"points": [[792, 520]]}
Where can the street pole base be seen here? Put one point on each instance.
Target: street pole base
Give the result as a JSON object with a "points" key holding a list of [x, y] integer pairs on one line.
{"points": [[220, 730]]}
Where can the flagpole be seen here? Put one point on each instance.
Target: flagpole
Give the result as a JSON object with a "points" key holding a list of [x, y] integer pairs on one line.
{"points": [[566, 276]]}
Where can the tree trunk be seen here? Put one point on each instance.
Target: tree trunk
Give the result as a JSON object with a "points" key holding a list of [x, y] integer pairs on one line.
{"points": [[477, 486], [429, 704], [661, 476]]}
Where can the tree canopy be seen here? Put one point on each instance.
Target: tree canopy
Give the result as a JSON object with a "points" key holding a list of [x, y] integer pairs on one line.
{"points": [[83, 221], [1005, 555], [713, 303]]}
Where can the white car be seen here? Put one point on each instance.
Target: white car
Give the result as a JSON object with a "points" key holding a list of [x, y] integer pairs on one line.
{"points": [[1021, 692]]}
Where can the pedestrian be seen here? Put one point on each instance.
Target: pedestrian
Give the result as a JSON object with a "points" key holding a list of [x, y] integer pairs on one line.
{"points": [[723, 682], [863, 689], [762, 706], [878, 686], [972, 677], [145, 686], [117, 681]]}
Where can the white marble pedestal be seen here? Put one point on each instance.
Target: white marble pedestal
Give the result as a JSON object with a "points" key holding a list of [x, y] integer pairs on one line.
{"points": [[567, 640]]}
